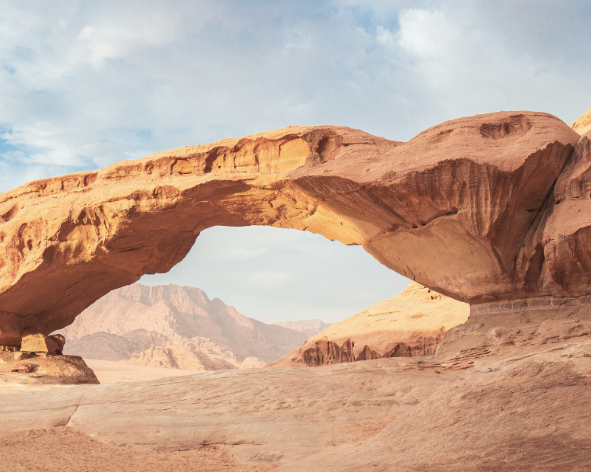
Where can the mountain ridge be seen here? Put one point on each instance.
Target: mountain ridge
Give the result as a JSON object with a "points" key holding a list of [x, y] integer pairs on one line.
{"points": [[172, 316]]}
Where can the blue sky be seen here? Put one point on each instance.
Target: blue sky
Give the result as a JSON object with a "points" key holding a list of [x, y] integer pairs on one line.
{"points": [[86, 84]]}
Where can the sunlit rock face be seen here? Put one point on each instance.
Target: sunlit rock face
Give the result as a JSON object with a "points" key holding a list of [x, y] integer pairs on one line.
{"points": [[467, 208], [583, 123]]}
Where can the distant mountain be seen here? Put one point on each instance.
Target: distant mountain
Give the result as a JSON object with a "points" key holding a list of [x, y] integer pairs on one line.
{"points": [[173, 326], [309, 327]]}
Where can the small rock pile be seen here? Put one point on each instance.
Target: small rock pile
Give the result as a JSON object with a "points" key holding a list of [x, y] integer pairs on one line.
{"points": [[36, 344]]}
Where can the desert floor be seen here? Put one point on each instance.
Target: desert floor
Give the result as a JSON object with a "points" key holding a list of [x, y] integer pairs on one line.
{"points": [[117, 372], [526, 409]]}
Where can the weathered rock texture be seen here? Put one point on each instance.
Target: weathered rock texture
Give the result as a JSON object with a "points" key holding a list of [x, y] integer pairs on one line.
{"points": [[583, 123], [41, 343], [174, 327], [44, 369], [466, 208], [411, 324]]}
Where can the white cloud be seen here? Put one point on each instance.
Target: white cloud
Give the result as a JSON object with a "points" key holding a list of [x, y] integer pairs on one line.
{"points": [[427, 34]]}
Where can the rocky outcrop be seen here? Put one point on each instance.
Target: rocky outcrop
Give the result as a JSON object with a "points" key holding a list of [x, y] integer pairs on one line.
{"points": [[464, 208], [40, 343], [43, 368], [180, 358], [325, 352], [583, 123], [411, 324]]}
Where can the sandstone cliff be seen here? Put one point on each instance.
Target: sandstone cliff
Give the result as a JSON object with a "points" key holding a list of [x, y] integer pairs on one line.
{"points": [[467, 208], [172, 326], [408, 325], [583, 123]]}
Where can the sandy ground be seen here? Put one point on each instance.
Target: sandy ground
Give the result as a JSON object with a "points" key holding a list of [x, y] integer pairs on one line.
{"points": [[66, 450], [116, 372], [497, 398]]}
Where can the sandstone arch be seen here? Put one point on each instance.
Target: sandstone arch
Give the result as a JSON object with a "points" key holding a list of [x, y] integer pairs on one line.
{"points": [[462, 208]]}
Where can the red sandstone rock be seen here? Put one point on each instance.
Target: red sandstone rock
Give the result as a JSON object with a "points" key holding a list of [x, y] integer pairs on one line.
{"points": [[325, 352], [583, 123], [367, 354], [60, 340], [457, 208], [408, 325]]}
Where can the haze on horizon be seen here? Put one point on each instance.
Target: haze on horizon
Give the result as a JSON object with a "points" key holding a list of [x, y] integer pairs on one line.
{"points": [[84, 85]]}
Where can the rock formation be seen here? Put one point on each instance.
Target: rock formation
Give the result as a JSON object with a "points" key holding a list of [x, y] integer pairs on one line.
{"points": [[41, 343], [43, 368], [180, 358], [175, 327], [583, 123], [408, 325], [481, 209]]}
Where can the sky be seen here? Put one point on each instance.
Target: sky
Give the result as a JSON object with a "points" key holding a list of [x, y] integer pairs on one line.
{"points": [[85, 84]]}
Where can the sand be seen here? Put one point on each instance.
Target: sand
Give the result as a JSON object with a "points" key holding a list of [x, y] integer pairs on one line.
{"points": [[66, 450], [116, 372]]}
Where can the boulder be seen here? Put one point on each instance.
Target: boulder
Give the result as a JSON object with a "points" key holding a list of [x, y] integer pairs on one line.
{"points": [[22, 368], [41, 343], [60, 340]]}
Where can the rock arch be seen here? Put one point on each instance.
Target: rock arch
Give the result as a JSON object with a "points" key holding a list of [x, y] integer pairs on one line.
{"points": [[462, 208]]}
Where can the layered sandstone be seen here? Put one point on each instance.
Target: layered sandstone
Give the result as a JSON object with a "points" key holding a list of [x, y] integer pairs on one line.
{"points": [[410, 324], [583, 123], [465, 208]]}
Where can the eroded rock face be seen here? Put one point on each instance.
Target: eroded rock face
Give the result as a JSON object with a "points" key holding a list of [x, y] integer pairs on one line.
{"points": [[459, 208], [583, 123], [411, 324], [44, 368], [41, 343]]}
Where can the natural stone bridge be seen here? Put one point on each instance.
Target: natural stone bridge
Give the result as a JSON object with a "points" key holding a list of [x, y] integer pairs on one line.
{"points": [[484, 209]]}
